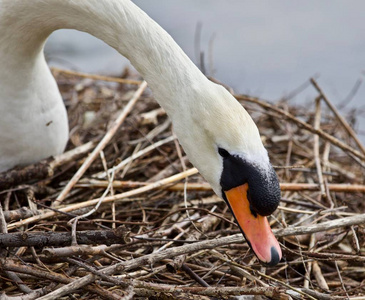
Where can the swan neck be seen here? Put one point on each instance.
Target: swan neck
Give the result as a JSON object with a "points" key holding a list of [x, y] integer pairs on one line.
{"points": [[119, 23]]}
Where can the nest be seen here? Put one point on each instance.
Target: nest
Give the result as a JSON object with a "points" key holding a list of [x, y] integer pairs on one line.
{"points": [[122, 213]]}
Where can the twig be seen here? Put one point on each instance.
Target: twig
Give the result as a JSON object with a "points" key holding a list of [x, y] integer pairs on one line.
{"points": [[342, 283], [42, 169], [118, 197], [140, 190], [333, 187], [96, 77], [319, 276], [12, 266], [317, 122], [57, 239], [71, 155], [108, 136], [193, 275], [334, 256], [11, 275], [153, 213], [284, 186], [308, 270], [219, 292], [325, 226], [15, 278], [303, 124], [76, 250], [342, 120], [150, 259], [135, 156], [74, 221]]}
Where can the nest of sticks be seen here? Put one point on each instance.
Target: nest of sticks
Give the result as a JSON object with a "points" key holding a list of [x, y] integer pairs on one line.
{"points": [[122, 213]]}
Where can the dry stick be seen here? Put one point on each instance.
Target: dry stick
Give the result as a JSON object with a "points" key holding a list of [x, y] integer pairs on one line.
{"points": [[110, 179], [323, 296], [11, 275], [215, 270], [75, 220], [60, 239], [193, 275], [358, 249], [134, 156], [310, 264], [179, 262], [40, 170], [219, 292], [285, 186], [317, 272], [237, 268], [334, 187], [70, 155], [45, 214], [317, 122], [97, 77], [324, 163], [108, 199], [93, 270], [76, 250], [11, 265], [153, 258], [108, 136], [342, 120], [161, 183], [332, 256], [340, 277], [20, 213], [275, 280], [303, 124], [325, 226], [149, 259]]}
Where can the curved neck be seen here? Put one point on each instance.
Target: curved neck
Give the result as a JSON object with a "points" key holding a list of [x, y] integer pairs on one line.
{"points": [[119, 23]]}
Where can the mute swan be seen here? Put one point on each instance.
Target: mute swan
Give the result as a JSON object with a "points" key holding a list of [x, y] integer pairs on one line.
{"points": [[216, 132]]}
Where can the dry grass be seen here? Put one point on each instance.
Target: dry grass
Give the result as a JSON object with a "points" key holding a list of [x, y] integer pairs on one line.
{"points": [[140, 242]]}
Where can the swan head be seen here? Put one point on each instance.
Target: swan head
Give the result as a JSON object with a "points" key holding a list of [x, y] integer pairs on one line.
{"points": [[224, 144]]}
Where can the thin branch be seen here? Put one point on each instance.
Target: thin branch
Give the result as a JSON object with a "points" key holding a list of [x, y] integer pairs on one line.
{"points": [[96, 77], [304, 125], [118, 197], [342, 120], [108, 136], [153, 258]]}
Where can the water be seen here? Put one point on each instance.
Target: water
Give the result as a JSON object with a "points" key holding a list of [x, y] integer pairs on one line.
{"points": [[263, 48]]}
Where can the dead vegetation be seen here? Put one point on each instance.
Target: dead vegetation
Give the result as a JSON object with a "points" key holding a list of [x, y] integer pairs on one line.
{"points": [[107, 219]]}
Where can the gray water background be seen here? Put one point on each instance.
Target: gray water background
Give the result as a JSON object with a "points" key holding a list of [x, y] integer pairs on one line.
{"points": [[262, 48]]}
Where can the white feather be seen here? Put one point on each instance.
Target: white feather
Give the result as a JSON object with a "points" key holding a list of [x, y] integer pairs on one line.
{"points": [[33, 121]]}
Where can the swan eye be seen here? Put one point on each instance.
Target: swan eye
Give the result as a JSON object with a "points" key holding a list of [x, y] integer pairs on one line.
{"points": [[224, 153]]}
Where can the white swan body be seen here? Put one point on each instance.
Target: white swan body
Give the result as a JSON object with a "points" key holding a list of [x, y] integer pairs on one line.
{"points": [[208, 121]]}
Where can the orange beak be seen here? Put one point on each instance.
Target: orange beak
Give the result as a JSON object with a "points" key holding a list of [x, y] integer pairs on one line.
{"points": [[255, 228]]}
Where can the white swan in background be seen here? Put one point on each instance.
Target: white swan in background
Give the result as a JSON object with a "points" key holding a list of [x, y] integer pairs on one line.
{"points": [[216, 132]]}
